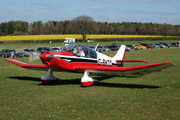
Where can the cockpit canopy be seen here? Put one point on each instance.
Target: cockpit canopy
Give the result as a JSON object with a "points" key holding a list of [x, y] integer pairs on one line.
{"points": [[80, 50]]}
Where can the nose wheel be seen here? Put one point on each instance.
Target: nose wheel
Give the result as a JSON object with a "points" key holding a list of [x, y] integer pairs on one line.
{"points": [[49, 78]]}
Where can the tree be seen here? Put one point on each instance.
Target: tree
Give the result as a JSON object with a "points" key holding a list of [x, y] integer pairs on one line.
{"points": [[120, 29], [18, 26], [24, 25], [38, 27], [4, 28], [102, 28], [82, 25], [139, 28], [10, 27]]}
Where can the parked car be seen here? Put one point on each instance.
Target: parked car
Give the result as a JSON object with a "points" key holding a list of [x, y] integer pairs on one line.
{"points": [[104, 48], [101, 47], [92, 47], [90, 41], [44, 49], [6, 53], [115, 47], [155, 46], [178, 43], [98, 49], [132, 47], [165, 44], [139, 46], [148, 46], [173, 44], [27, 51], [160, 45], [56, 48], [128, 49], [109, 46]]}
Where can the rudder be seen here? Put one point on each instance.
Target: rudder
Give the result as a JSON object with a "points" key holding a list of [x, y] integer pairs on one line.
{"points": [[120, 55]]}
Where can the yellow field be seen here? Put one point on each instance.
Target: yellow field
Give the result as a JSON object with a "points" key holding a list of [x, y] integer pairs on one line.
{"points": [[39, 37], [76, 36], [118, 36]]}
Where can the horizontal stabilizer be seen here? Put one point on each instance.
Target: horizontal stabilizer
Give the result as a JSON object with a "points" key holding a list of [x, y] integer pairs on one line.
{"points": [[132, 61]]}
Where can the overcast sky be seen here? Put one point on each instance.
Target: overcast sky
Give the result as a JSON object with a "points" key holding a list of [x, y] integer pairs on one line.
{"points": [[145, 11]]}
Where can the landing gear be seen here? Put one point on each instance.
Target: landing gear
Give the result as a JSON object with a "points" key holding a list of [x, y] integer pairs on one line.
{"points": [[49, 78], [86, 80]]}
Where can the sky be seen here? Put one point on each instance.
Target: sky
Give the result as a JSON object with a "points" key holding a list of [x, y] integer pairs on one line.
{"points": [[144, 11]]}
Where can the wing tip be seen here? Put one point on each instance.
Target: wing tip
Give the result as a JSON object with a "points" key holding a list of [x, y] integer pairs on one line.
{"points": [[14, 61]]}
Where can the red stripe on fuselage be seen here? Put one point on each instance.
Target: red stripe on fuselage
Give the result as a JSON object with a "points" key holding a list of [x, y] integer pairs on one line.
{"points": [[59, 64]]}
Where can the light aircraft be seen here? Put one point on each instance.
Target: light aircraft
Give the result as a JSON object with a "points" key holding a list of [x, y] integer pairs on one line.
{"points": [[82, 59]]}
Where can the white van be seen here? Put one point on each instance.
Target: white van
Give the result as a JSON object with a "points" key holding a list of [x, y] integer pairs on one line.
{"points": [[69, 40]]}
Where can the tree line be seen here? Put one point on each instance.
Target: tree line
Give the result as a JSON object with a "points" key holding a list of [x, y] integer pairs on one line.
{"points": [[86, 25]]}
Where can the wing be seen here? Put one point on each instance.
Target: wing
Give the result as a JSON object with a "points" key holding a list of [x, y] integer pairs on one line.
{"points": [[134, 70], [28, 66]]}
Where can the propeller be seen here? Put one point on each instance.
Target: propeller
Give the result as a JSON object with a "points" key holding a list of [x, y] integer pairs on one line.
{"points": [[33, 57], [46, 56]]}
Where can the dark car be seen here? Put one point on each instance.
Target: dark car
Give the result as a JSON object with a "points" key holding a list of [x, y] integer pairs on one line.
{"points": [[148, 46], [44, 49], [165, 44], [92, 47], [6, 53], [108, 46], [115, 47], [56, 48], [173, 44], [98, 49]]}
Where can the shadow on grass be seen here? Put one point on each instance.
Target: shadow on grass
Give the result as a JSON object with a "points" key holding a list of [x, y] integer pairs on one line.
{"points": [[119, 85], [26, 78], [78, 82]]}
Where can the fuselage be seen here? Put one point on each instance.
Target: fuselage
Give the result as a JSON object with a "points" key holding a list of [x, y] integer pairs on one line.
{"points": [[66, 61]]}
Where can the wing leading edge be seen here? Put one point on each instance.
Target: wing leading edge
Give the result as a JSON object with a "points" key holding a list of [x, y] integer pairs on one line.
{"points": [[134, 70], [28, 66]]}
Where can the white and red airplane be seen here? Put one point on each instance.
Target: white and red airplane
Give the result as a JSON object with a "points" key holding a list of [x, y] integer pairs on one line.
{"points": [[82, 59]]}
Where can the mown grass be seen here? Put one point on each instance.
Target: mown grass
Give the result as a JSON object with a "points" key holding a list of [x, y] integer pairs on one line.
{"points": [[153, 96]]}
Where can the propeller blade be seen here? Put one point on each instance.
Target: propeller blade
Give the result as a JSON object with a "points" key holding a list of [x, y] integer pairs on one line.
{"points": [[33, 57]]}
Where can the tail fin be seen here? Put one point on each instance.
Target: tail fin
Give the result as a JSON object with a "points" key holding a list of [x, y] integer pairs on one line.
{"points": [[120, 55]]}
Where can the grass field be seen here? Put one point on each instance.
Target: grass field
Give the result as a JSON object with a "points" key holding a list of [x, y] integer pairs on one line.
{"points": [[155, 96]]}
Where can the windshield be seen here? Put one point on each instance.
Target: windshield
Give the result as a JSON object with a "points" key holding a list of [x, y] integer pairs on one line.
{"points": [[80, 50]]}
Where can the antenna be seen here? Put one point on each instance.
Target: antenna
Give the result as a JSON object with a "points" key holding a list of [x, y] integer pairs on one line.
{"points": [[96, 46]]}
